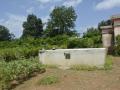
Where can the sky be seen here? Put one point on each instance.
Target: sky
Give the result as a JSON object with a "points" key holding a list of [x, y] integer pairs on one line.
{"points": [[89, 12]]}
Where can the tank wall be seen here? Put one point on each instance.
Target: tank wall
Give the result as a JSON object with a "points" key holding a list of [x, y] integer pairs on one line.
{"points": [[88, 56]]}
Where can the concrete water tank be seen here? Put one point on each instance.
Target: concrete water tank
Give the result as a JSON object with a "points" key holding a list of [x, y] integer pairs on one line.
{"points": [[65, 58]]}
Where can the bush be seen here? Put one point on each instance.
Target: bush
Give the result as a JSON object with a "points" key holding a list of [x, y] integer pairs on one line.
{"points": [[80, 43], [74, 43], [18, 71], [118, 40], [116, 49], [10, 54]]}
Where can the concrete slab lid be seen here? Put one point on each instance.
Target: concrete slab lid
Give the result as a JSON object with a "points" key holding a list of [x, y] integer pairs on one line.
{"points": [[106, 27], [115, 16]]}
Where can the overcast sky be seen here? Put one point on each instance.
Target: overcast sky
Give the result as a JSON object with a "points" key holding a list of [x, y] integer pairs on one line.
{"points": [[90, 12]]}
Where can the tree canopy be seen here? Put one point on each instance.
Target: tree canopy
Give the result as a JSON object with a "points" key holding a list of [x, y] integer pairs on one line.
{"points": [[94, 34], [4, 33], [104, 23], [32, 27], [62, 21]]}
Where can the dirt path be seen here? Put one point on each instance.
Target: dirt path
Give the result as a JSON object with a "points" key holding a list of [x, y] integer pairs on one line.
{"points": [[78, 80]]}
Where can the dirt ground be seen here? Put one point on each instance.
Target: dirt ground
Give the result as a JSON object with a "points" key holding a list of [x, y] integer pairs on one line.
{"points": [[78, 80]]}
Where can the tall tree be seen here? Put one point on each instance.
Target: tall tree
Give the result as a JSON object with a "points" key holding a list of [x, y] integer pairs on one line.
{"points": [[4, 33], [62, 21], [94, 34], [32, 27]]}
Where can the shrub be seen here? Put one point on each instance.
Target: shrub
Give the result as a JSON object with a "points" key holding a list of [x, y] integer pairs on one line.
{"points": [[48, 80], [88, 43], [80, 43], [10, 54], [18, 71], [116, 49], [118, 40], [74, 43]]}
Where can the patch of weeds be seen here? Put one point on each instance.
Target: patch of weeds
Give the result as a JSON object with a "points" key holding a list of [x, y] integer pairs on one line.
{"points": [[109, 63], [50, 66], [48, 80], [83, 67]]}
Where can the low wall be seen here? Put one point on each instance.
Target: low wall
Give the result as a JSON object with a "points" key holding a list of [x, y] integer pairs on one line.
{"points": [[65, 58]]}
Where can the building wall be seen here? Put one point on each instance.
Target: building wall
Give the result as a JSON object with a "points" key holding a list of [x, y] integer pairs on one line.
{"points": [[117, 31], [88, 56]]}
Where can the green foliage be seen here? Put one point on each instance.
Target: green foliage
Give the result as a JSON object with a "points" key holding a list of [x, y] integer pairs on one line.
{"points": [[116, 48], [48, 80], [91, 32], [118, 40], [80, 43], [4, 34], [83, 67], [95, 35], [50, 66], [32, 27], [104, 23], [109, 63], [61, 21], [75, 43], [18, 71], [88, 43], [10, 54]]}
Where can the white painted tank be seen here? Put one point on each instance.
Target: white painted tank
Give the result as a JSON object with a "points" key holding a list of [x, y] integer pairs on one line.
{"points": [[66, 58]]}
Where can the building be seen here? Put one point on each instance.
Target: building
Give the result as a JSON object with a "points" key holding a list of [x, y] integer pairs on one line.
{"points": [[110, 32]]}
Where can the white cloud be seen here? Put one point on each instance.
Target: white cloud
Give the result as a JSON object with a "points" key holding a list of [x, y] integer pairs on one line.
{"points": [[72, 2], [108, 4], [30, 10], [51, 8], [44, 1], [45, 20], [47, 1], [14, 24]]}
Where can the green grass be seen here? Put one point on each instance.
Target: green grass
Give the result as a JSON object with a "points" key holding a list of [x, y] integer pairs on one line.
{"points": [[48, 80], [107, 66], [50, 66], [83, 67], [109, 63]]}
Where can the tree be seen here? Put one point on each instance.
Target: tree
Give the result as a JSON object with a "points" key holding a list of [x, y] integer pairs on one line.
{"points": [[94, 34], [4, 34], [61, 21], [104, 23], [32, 27]]}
